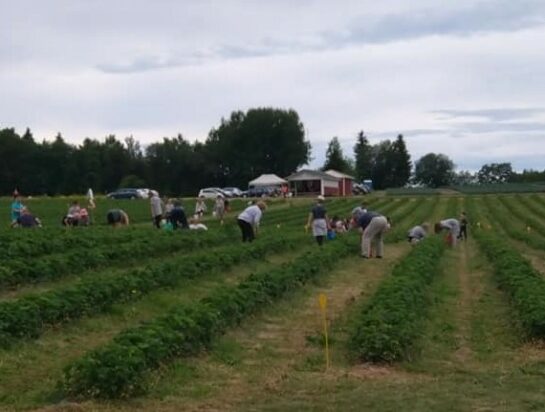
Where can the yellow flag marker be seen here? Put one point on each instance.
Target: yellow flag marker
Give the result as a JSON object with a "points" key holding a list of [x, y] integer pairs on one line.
{"points": [[322, 300]]}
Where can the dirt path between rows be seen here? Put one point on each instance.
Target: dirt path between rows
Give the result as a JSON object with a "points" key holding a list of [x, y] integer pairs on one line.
{"points": [[277, 343]]}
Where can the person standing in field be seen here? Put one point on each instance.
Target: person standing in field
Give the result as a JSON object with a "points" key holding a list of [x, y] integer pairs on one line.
{"points": [[156, 209], [249, 219], [200, 207], [418, 233], [16, 207], [317, 219], [90, 199], [219, 208], [452, 226], [373, 227], [463, 227], [117, 217]]}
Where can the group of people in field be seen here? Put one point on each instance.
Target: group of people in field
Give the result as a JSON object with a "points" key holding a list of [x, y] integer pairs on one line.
{"points": [[373, 225], [170, 214]]}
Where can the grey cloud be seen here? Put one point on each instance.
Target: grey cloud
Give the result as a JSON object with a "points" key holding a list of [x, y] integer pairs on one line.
{"points": [[490, 16], [499, 115]]}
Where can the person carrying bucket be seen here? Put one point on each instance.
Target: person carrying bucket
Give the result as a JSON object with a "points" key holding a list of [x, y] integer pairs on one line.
{"points": [[452, 227]]}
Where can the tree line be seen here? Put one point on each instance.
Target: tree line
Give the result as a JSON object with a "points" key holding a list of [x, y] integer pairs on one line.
{"points": [[243, 146]]}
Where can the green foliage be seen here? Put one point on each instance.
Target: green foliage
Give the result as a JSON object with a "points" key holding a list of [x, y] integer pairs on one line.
{"points": [[495, 173], [363, 154], [27, 317], [388, 325], [434, 170], [20, 271], [334, 158], [118, 369], [516, 276]]}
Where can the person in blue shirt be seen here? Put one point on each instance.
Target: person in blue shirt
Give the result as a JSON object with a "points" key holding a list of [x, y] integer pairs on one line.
{"points": [[16, 208]]}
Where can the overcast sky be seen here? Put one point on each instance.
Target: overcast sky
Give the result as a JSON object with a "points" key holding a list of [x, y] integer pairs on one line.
{"points": [[465, 78]]}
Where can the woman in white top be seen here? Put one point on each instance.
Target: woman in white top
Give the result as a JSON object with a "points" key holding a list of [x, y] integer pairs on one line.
{"points": [[249, 219]]}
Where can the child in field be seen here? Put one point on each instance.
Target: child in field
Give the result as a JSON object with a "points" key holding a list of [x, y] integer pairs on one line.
{"points": [[463, 227], [26, 220], [219, 208], [16, 207]]}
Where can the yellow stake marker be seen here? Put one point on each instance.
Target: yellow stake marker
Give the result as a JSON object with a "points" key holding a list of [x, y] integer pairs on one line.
{"points": [[322, 300]]}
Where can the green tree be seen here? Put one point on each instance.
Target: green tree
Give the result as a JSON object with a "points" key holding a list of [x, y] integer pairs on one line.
{"points": [[434, 170], [363, 154], [495, 173], [334, 158], [401, 163], [263, 140]]}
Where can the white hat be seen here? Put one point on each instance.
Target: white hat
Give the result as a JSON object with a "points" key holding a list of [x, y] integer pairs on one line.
{"points": [[321, 198]]}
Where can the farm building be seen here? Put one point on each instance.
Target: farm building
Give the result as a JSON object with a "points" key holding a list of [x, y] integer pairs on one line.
{"points": [[313, 182], [345, 182]]}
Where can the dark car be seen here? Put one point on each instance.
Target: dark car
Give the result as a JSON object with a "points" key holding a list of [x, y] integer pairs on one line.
{"points": [[126, 194], [259, 192]]}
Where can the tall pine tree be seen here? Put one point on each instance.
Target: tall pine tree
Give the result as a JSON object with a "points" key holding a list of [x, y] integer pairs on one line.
{"points": [[334, 158], [363, 153], [401, 163]]}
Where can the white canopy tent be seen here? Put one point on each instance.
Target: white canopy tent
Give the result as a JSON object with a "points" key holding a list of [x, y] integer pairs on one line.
{"points": [[267, 180]]}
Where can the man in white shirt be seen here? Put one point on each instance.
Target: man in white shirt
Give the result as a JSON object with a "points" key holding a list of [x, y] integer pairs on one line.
{"points": [[249, 219]]}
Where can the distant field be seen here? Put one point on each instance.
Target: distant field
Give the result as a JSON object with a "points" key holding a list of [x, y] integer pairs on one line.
{"points": [[97, 319]]}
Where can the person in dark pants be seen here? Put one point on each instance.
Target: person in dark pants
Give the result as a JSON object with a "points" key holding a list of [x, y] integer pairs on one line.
{"points": [[463, 226], [177, 216], [249, 219], [318, 219]]}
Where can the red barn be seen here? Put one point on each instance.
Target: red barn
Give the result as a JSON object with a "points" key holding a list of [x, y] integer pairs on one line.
{"points": [[313, 182], [345, 182]]}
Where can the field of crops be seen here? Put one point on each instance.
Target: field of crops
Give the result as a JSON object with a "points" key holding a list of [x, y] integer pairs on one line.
{"points": [[135, 318]]}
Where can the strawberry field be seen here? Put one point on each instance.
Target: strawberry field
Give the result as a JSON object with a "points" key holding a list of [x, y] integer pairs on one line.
{"points": [[136, 318]]}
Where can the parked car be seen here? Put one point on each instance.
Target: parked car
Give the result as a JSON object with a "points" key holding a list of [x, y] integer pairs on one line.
{"points": [[211, 192], [232, 191], [360, 189], [259, 192], [126, 194]]}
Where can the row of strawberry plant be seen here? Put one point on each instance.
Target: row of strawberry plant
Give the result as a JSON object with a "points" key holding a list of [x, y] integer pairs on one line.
{"points": [[504, 219], [520, 212], [533, 206], [20, 271], [516, 276], [27, 317], [387, 326], [118, 369], [417, 213], [23, 243]]}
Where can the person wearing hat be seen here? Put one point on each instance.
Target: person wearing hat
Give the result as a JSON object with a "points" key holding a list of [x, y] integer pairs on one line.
{"points": [[317, 219], [249, 219]]}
